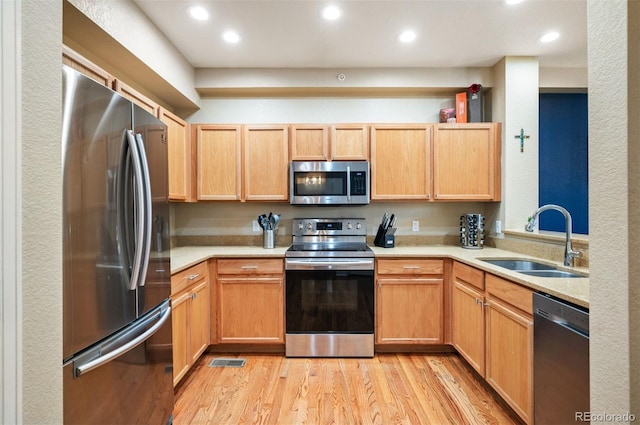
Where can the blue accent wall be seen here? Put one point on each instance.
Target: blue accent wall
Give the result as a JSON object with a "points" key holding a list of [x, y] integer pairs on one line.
{"points": [[563, 156]]}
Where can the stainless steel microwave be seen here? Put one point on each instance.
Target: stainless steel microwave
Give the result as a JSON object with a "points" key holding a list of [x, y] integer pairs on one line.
{"points": [[329, 182]]}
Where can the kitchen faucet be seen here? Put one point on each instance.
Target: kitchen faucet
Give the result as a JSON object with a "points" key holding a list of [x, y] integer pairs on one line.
{"points": [[569, 253]]}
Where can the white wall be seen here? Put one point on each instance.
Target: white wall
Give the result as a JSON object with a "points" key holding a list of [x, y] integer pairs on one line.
{"points": [[321, 110], [41, 211], [614, 170]]}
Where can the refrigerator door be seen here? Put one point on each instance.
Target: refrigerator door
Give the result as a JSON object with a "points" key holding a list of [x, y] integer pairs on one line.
{"points": [[96, 297], [152, 141], [127, 378]]}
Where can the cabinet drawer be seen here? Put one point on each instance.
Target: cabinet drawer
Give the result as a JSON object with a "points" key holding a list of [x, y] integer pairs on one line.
{"points": [[250, 266], [516, 295], [468, 274], [188, 277], [410, 266]]}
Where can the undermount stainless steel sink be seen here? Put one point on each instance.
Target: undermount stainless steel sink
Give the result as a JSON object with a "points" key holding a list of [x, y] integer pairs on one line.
{"points": [[551, 273], [532, 268]]}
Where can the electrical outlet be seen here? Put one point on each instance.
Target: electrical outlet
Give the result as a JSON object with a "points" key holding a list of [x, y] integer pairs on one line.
{"points": [[256, 226], [498, 226], [415, 226]]}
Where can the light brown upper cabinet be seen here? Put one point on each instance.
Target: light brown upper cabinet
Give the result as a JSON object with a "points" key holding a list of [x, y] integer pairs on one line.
{"points": [[466, 162], [401, 161], [266, 162], [136, 97], [309, 142], [78, 62], [179, 156], [219, 162], [242, 163], [349, 142], [337, 142]]}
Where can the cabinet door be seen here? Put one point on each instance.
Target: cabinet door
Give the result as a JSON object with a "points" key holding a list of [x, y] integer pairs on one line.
{"points": [[466, 162], [218, 162], [250, 310], [81, 64], [179, 328], [309, 142], [179, 156], [467, 327], [400, 162], [509, 350], [409, 311], [198, 320], [349, 142], [266, 163], [136, 97]]}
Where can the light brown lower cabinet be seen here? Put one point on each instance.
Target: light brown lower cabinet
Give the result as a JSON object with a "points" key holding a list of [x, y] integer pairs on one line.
{"points": [[250, 296], [493, 330], [409, 301], [189, 317]]}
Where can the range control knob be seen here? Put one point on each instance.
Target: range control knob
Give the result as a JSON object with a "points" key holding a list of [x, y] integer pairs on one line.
{"points": [[300, 226], [358, 226], [349, 226], [309, 227]]}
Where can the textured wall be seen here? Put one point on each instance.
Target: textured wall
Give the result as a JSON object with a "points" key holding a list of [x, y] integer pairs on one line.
{"points": [[520, 176], [321, 110], [41, 212], [612, 229]]}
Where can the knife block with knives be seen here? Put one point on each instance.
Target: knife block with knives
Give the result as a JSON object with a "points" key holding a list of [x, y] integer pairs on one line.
{"points": [[385, 236]]}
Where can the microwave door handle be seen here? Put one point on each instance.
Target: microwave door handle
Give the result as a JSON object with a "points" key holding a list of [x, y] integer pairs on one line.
{"points": [[348, 183]]}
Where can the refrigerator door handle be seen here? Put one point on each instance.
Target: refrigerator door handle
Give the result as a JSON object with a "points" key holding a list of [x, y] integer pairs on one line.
{"points": [[161, 315], [145, 197], [139, 211]]}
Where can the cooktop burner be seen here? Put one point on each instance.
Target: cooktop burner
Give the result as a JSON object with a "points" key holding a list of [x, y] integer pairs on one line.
{"points": [[329, 237]]}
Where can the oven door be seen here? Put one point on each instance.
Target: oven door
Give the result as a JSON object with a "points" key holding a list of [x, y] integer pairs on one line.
{"points": [[330, 310]]}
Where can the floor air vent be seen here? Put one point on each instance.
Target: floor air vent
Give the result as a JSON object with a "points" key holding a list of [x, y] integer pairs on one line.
{"points": [[227, 362]]}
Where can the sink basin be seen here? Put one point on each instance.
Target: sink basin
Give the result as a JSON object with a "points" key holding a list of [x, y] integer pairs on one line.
{"points": [[520, 265], [551, 273], [532, 268]]}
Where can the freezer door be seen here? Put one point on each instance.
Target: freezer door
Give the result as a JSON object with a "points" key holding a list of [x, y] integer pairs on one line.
{"points": [[127, 379], [97, 300]]}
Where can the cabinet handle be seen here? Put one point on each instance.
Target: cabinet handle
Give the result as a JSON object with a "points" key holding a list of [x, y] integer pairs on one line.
{"points": [[410, 267], [194, 296], [160, 270], [249, 267], [193, 276]]}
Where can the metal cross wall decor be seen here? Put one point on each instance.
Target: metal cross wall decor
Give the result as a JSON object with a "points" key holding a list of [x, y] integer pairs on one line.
{"points": [[521, 136]]}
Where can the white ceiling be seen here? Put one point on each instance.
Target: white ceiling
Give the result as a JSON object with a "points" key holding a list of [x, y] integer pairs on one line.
{"points": [[451, 33]]}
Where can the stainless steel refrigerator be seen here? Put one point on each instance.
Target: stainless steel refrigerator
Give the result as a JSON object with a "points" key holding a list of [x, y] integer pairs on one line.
{"points": [[117, 353]]}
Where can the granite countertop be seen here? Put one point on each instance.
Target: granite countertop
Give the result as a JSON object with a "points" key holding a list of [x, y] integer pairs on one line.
{"points": [[575, 290]]}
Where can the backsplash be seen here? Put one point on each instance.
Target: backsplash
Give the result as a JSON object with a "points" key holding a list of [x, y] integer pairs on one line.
{"points": [[231, 223]]}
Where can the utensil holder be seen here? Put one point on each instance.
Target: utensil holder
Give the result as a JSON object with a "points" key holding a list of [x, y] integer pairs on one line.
{"points": [[269, 238], [472, 231]]}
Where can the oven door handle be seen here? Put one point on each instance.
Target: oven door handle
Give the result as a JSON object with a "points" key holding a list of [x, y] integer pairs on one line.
{"points": [[329, 265]]}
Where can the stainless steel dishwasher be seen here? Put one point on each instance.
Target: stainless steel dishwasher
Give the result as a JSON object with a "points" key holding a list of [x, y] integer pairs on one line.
{"points": [[560, 361]]}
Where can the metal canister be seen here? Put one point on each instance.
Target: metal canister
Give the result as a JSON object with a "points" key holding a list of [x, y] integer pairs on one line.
{"points": [[472, 231]]}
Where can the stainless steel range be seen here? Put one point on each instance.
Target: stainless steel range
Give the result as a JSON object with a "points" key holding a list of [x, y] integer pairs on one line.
{"points": [[329, 289]]}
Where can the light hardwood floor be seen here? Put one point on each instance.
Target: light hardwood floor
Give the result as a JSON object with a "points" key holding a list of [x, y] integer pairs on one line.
{"points": [[406, 389]]}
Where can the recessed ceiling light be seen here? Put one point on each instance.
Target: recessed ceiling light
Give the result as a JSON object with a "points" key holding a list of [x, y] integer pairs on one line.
{"points": [[231, 37], [549, 37], [513, 1], [407, 36], [331, 13], [199, 13]]}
